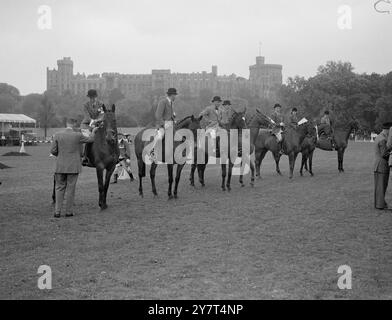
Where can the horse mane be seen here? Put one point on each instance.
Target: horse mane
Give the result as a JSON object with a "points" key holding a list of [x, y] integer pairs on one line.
{"points": [[181, 122]]}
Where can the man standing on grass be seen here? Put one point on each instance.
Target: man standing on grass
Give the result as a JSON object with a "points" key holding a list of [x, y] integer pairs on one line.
{"points": [[381, 167], [66, 147]]}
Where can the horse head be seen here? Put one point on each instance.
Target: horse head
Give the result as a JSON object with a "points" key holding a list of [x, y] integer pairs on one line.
{"points": [[190, 122], [237, 120], [108, 123]]}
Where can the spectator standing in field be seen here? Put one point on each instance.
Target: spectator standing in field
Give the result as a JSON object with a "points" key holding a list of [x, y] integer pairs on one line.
{"points": [[66, 147], [381, 167]]}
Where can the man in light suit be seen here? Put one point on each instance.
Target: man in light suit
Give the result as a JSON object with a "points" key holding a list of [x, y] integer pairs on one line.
{"points": [[381, 168], [164, 118], [66, 146], [389, 146]]}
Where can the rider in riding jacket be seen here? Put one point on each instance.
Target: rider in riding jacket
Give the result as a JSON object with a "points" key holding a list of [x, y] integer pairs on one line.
{"points": [[211, 117], [91, 109], [279, 125], [164, 117], [326, 127], [293, 118]]}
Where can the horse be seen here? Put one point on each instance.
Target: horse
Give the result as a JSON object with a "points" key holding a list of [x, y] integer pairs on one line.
{"points": [[307, 149], [237, 121], [341, 134], [192, 123], [292, 139], [254, 123], [103, 153]]}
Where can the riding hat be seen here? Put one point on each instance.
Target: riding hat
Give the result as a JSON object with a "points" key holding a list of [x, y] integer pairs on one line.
{"points": [[92, 93], [171, 91], [326, 112], [294, 110], [216, 98], [227, 103], [387, 125], [277, 105]]}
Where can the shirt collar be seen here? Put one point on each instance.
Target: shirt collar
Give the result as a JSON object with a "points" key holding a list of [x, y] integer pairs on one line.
{"points": [[168, 99]]}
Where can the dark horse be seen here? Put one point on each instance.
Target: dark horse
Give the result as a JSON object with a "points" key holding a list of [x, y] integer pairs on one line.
{"points": [[237, 121], [341, 134], [103, 153], [293, 138], [307, 149], [190, 123]]}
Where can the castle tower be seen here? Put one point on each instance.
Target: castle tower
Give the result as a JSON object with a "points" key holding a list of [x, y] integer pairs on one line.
{"points": [[65, 74]]}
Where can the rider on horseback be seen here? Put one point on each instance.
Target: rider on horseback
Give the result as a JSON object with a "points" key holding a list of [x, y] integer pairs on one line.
{"points": [[326, 128], [91, 109], [293, 118], [212, 116], [279, 125], [164, 117]]}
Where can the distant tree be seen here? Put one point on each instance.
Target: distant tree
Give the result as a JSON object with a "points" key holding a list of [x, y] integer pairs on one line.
{"points": [[115, 95], [46, 114]]}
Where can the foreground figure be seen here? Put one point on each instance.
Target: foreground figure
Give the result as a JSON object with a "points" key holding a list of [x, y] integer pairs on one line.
{"points": [[381, 168], [66, 147]]}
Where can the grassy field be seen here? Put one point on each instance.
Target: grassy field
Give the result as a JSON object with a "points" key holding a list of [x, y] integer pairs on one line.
{"points": [[279, 239]]}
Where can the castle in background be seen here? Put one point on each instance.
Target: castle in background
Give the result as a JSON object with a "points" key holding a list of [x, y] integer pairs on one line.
{"points": [[264, 81]]}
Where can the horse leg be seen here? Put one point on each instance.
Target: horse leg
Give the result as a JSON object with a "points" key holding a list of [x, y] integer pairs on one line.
{"points": [[292, 158], [177, 181], [241, 174], [108, 175], [303, 163], [170, 175], [252, 172], [223, 166], [100, 186], [259, 156], [201, 168], [311, 163], [192, 174], [153, 169], [54, 190], [277, 160], [142, 173], [230, 171], [340, 159]]}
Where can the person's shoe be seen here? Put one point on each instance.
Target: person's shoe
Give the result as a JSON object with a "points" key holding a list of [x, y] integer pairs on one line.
{"points": [[69, 215], [57, 215], [131, 176]]}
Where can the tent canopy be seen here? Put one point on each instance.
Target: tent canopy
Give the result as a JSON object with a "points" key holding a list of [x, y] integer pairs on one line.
{"points": [[15, 118]]}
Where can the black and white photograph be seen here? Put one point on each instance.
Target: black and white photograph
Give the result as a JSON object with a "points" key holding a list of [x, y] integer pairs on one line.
{"points": [[195, 155]]}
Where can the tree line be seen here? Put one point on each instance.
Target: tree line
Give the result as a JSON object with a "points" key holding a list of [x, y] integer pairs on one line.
{"points": [[335, 87]]}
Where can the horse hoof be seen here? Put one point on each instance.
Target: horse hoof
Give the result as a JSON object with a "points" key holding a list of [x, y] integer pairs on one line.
{"points": [[175, 196], [141, 195], [311, 174], [192, 184], [228, 189], [223, 189], [203, 184], [104, 207], [170, 197], [252, 184]]}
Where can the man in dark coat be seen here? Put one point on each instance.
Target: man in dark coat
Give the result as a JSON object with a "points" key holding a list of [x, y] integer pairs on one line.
{"points": [[381, 168]]}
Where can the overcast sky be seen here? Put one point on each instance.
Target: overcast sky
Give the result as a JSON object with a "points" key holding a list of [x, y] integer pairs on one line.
{"points": [[134, 36]]}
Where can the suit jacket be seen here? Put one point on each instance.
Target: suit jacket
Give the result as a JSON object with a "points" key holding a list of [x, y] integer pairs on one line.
{"points": [[389, 146], [91, 112], [164, 112], [381, 153], [66, 146], [277, 118], [210, 116]]}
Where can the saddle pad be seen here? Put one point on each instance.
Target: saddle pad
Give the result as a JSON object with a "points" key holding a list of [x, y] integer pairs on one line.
{"points": [[324, 144]]}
